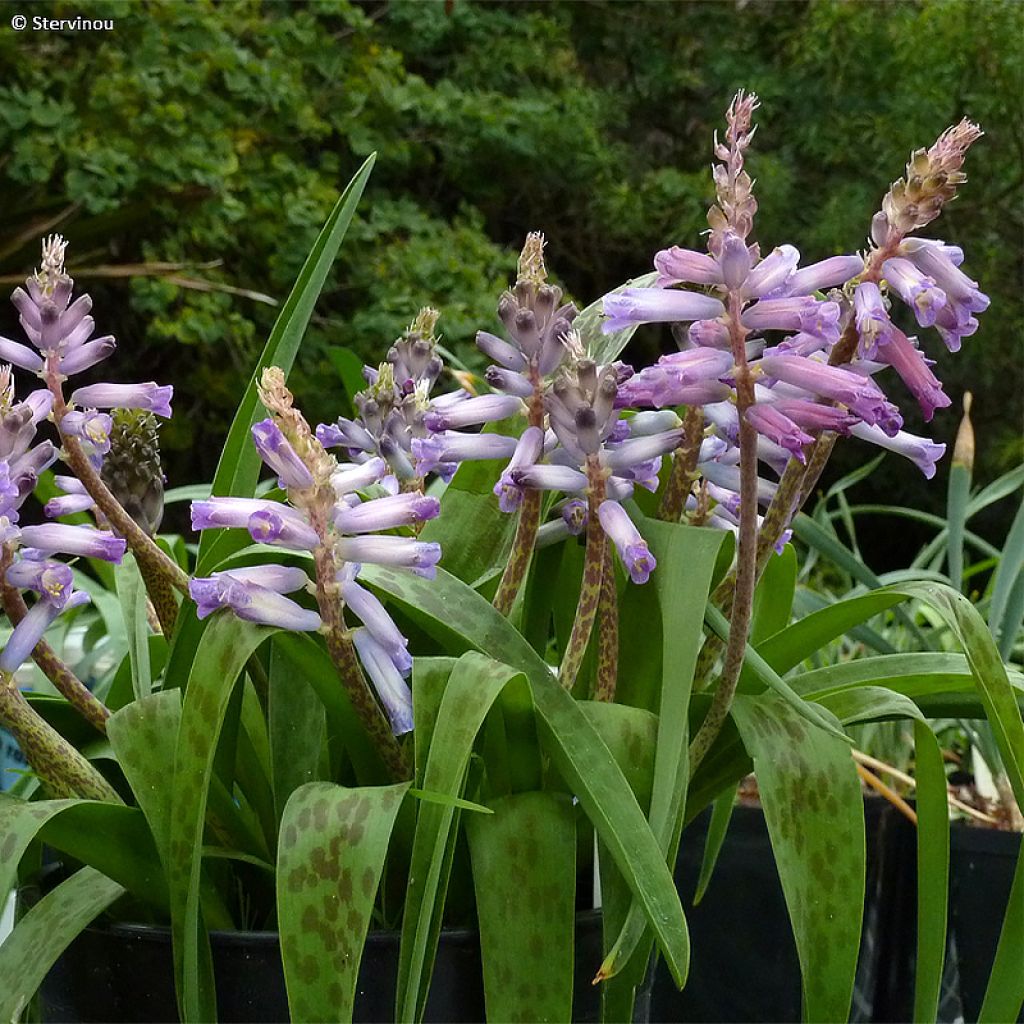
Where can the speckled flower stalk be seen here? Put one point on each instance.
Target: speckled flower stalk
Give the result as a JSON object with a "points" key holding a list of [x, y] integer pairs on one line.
{"points": [[684, 467], [536, 321], [607, 677]]}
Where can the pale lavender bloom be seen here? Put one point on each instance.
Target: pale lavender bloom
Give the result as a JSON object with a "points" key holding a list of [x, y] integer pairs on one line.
{"points": [[632, 548], [250, 601], [347, 479], [420, 556], [392, 690], [84, 356], [509, 381], [150, 396], [20, 355], [953, 323], [90, 426], [734, 260], [775, 425], [211, 513], [378, 622], [656, 305], [794, 313], [959, 288], [473, 412], [67, 504], [685, 266], [25, 469], [500, 351], [709, 334], [51, 538], [828, 273], [917, 290], [30, 630], [860, 394], [659, 386], [70, 484], [282, 579], [387, 513], [640, 449], [908, 362], [528, 450], [430, 452], [574, 514], [551, 478], [277, 452], [269, 526], [40, 402], [642, 474], [643, 424], [922, 451], [51, 580], [799, 344], [815, 416], [696, 365], [728, 477], [772, 273]]}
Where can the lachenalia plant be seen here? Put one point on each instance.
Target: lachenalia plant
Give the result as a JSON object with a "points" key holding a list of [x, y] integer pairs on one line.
{"points": [[778, 360]]}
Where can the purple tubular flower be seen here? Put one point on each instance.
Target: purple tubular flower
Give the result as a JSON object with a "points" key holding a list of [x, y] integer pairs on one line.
{"points": [[392, 690], [500, 351], [20, 355], [696, 365], [51, 580], [953, 323], [454, 447], [640, 449], [251, 602], [277, 452], [528, 450], [268, 526], [30, 630], [472, 412], [778, 427], [420, 556], [643, 474], [658, 387], [794, 313], [799, 344], [70, 484], [643, 424], [150, 396], [908, 362], [347, 479], [575, 514], [90, 426], [772, 273], [550, 478], [632, 548], [815, 416], [378, 622], [25, 469], [959, 288], [728, 477], [282, 579], [387, 513], [211, 513], [509, 381], [51, 538], [685, 266], [860, 394], [874, 328], [656, 305], [734, 260], [917, 290], [708, 334], [330, 435], [67, 504], [829, 273], [922, 451], [84, 356], [40, 402]]}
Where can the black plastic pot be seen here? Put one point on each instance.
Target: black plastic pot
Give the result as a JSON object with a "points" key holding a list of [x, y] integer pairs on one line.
{"points": [[122, 972], [744, 964]]}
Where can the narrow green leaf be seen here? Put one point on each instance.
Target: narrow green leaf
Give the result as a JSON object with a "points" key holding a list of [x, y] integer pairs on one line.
{"points": [[1004, 994], [454, 612], [225, 647], [773, 598], [524, 875], [721, 815], [45, 932], [1007, 576], [474, 685], [329, 862], [957, 494], [239, 467], [131, 592], [812, 802]]}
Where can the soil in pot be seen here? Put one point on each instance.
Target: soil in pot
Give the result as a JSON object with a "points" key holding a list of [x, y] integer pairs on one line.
{"points": [[744, 964]]}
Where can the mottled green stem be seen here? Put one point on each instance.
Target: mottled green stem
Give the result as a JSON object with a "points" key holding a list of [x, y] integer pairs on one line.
{"points": [[529, 521], [61, 768], [590, 585], [746, 553], [343, 654], [607, 631], [161, 596], [684, 467]]}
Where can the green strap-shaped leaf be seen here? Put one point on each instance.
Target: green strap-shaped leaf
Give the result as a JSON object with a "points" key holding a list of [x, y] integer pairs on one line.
{"points": [[601, 347], [329, 862], [225, 647], [1008, 572], [812, 802], [773, 598], [449, 609], [429, 679], [524, 875], [131, 592], [45, 932], [474, 685], [721, 815], [1004, 994], [239, 467], [20, 820]]}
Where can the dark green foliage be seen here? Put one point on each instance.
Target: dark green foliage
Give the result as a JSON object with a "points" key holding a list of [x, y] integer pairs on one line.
{"points": [[196, 133]]}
